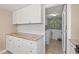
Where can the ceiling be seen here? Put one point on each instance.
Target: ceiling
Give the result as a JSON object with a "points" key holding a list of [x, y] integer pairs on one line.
{"points": [[55, 10], [12, 7]]}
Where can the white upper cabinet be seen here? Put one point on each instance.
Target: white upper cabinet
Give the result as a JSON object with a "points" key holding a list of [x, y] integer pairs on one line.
{"points": [[29, 14], [35, 13]]}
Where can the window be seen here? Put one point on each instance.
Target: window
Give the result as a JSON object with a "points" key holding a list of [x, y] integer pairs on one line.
{"points": [[55, 23]]}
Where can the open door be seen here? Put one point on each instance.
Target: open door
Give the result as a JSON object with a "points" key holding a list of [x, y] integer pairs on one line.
{"points": [[64, 28]]}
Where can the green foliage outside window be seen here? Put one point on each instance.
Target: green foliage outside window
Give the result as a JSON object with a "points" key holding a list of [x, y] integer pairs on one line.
{"points": [[55, 23]]}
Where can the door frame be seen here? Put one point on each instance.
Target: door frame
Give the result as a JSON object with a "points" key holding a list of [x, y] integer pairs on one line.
{"points": [[53, 5], [64, 29]]}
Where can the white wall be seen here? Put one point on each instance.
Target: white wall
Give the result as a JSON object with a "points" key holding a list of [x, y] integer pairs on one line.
{"points": [[31, 28], [72, 22], [75, 21], [6, 27]]}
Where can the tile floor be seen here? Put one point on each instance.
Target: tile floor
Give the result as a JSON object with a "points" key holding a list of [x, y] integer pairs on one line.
{"points": [[55, 47]]}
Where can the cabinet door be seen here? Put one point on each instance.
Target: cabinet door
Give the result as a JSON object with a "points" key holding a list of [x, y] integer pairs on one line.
{"points": [[23, 16], [21, 46], [10, 44], [16, 17], [35, 14], [25, 46], [20, 17], [29, 14], [18, 47], [28, 47]]}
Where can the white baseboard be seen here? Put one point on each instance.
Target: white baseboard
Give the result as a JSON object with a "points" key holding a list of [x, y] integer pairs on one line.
{"points": [[3, 51]]}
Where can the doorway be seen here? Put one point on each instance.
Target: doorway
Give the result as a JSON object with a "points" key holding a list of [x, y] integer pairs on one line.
{"points": [[55, 29]]}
